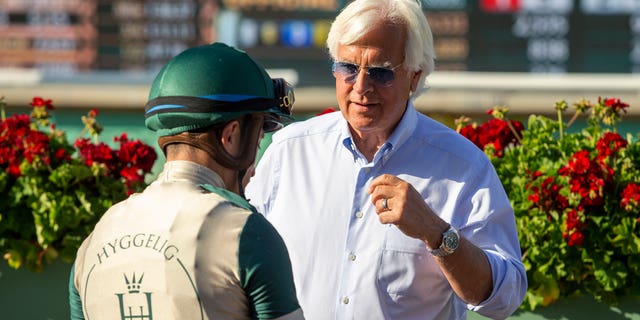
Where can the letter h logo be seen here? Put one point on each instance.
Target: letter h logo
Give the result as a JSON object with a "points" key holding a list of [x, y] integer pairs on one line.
{"points": [[133, 307]]}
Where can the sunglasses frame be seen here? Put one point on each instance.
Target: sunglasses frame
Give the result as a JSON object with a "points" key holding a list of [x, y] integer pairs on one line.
{"points": [[271, 124], [371, 72]]}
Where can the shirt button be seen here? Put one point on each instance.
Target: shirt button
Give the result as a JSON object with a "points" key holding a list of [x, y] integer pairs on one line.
{"points": [[345, 300], [352, 256], [359, 214]]}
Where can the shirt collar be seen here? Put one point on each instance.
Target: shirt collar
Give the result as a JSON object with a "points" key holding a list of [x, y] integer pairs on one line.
{"points": [[399, 136], [191, 172]]}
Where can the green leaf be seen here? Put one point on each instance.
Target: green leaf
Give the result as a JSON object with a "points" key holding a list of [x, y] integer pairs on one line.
{"points": [[612, 277]]}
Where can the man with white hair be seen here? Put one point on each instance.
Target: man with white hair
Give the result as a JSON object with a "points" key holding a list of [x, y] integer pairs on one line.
{"points": [[386, 213]]}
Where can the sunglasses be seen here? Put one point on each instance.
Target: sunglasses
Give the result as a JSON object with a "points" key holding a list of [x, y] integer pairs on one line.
{"points": [[271, 124], [348, 72]]}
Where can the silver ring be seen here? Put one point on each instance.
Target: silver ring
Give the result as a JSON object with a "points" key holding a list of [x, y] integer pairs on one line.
{"points": [[384, 204]]}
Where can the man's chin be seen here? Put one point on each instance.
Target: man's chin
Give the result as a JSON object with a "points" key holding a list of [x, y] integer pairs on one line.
{"points": [[362, 126]]}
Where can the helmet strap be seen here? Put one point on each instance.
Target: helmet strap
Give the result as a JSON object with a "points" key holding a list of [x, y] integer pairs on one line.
{"points": [[210, 142]]}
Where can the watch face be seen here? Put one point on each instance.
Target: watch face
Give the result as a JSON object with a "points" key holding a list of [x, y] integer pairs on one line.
{"points": [[451, 241]]}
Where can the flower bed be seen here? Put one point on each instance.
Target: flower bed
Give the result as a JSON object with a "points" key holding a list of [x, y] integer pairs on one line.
{"points": [[576, 198], [54, 192]]}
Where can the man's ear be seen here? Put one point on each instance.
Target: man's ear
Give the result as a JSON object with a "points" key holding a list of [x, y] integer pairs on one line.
{"points": [[230, 137], [415, 79]]}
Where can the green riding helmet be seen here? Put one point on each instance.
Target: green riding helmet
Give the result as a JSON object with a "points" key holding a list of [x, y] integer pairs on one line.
{"points": [[212, 84]]}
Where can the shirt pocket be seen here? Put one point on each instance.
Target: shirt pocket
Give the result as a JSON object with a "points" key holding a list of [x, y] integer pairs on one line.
{"points": [[406, 269]]}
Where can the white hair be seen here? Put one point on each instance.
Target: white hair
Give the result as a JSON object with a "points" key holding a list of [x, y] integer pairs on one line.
{"points": [[361, 16]]}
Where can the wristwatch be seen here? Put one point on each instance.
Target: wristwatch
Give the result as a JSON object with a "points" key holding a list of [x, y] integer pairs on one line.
{"points": [[450, 240]]}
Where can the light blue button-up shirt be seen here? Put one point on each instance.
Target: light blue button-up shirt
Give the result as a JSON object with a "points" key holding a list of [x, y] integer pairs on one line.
{"points": [[311, 184]]}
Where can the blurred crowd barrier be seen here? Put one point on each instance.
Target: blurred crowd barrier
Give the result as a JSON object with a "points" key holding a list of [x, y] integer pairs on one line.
{"points": [[449, 92]]}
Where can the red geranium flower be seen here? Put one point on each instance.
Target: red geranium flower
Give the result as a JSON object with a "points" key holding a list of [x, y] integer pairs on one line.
{"points": [[497, 132], [630, 197], [576, 238], [546, 196], [610, 143], [19, 142], [38, 102], [615, 105]]}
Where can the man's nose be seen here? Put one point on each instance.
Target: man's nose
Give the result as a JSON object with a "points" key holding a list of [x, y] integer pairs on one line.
{"points": [[362, 82]]}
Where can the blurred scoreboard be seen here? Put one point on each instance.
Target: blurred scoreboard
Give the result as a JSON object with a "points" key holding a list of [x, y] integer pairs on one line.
{"points": [[599, 36], [44, 34], [546, 36], [144, 35], [70, 36]]}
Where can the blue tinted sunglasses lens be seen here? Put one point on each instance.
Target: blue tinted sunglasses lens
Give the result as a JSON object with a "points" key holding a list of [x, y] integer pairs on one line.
{"points": [[349, 72]]}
